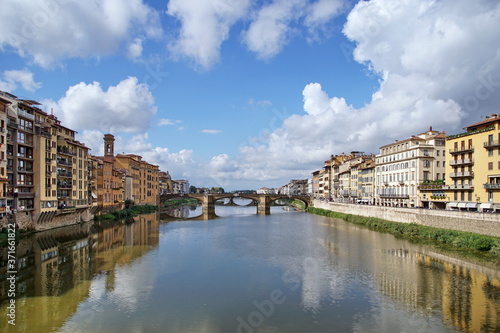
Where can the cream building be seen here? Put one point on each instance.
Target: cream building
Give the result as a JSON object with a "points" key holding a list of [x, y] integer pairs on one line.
{"points": [[404, 165]]}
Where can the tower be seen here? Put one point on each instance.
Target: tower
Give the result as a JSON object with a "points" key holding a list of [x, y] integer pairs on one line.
{"points": [[109, 145]]}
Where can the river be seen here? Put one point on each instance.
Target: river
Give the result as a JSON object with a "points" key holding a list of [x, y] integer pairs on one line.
{"points": [[286, 272]]}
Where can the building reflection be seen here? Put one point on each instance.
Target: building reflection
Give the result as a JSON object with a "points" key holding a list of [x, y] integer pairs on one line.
{"points": [[467, 298], [54, 268]]}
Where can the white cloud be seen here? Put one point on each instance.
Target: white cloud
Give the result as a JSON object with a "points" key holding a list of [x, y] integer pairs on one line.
{"points": [[13, 78], [167, 122], [135, 48], [271, 29], [211, 131], [204, 26], [126, 107], [51, 30], [439, 66]]}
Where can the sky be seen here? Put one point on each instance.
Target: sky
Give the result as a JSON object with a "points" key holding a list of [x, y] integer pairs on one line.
{"points": [[244, 94]]}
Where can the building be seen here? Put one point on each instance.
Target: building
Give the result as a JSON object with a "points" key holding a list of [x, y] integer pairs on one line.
{"points": [[366, 182], [124, 177], [3, 153], [294, 187], [46, 168], [180, 186], [473, 169], [164, 183], [315, 183], [404, 165]]}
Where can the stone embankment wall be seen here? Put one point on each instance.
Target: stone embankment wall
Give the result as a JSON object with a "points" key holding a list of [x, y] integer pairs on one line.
{"points": [[26, 221], [479, 223]]}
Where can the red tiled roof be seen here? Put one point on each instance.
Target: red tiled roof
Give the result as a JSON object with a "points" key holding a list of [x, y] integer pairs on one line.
{"points": [[492, 119]]}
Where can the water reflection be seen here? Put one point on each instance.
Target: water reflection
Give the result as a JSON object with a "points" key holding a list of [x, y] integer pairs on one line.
{"points": [[55, 269], [286, 272]]}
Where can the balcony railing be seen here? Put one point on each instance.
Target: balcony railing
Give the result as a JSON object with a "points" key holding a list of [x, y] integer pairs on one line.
{"points": [[64, 162], [25, 114], [65, 174], [489, 186], [492, 144], [461, 150], [467, 187], [462, 174], [395, 196], [464, 161]]}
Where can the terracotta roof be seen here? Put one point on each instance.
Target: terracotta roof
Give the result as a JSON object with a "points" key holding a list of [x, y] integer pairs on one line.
{"points": [[492, 119]]}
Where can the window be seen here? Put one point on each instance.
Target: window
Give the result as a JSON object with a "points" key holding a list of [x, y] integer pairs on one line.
{"points": [[490, 152], [437, 164], [490, 165]]}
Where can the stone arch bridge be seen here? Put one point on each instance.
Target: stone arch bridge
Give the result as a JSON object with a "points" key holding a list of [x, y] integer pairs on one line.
{"points": [[263, 201]]}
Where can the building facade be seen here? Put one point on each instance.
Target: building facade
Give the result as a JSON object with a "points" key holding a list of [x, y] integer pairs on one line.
{"points": [[473, 169], [404, 165]]}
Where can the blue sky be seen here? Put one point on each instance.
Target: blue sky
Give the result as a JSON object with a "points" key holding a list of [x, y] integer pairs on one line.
{"points": [[245, 94]]}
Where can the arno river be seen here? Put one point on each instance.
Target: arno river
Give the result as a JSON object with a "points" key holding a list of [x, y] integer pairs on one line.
{"points": [[286, 272]]}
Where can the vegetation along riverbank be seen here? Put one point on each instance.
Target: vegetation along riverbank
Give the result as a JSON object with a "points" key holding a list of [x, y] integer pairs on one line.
{"points": [[125, 213], [465, 240]]}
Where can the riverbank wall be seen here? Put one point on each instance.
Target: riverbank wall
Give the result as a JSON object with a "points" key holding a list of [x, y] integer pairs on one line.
{"points": [[479, 223]]}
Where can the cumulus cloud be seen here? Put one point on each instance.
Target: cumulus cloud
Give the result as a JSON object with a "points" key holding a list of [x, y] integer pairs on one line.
{"points": [[51, 30], [13, 78], [204, 26], [126, 107], [271, 30], [439, 66]]}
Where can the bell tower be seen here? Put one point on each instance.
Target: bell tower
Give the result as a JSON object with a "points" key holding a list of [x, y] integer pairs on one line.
{"points": [[109, 145]]}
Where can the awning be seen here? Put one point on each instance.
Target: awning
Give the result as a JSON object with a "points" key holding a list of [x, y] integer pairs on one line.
{"points": [[462, 205], [485, 205], [94, 195], [453, 204], [471, 205]]}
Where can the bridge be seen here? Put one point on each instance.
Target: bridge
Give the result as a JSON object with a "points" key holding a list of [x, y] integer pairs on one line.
{"points": [[263, 201]]}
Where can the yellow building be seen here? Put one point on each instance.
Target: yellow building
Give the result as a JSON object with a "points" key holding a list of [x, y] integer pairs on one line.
{"points": [[473, 167]]}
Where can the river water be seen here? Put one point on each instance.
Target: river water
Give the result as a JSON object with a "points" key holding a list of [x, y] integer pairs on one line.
{"points": [[286, 272]]}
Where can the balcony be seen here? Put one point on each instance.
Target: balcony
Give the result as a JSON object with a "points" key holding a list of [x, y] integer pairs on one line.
{"points": [[12, 123], [489, 186], [395, 196], [63, 151], [465, 161], [25, 114], [64, 185], [462, 150], [466, 187], [492, 144], [465, 174], [24, 195], [64, 162], [64, 174]]}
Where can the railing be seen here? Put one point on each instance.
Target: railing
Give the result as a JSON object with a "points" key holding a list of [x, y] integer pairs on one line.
{"points": [[462, 174], [65, 174], [25, 114], [63, 162], [459, 187], [461, 162], [489, 186], [395, 196], [492, 144], [460, 150]]}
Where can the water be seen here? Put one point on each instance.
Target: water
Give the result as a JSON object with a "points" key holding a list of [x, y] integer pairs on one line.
{"points": [[286, 272]]}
